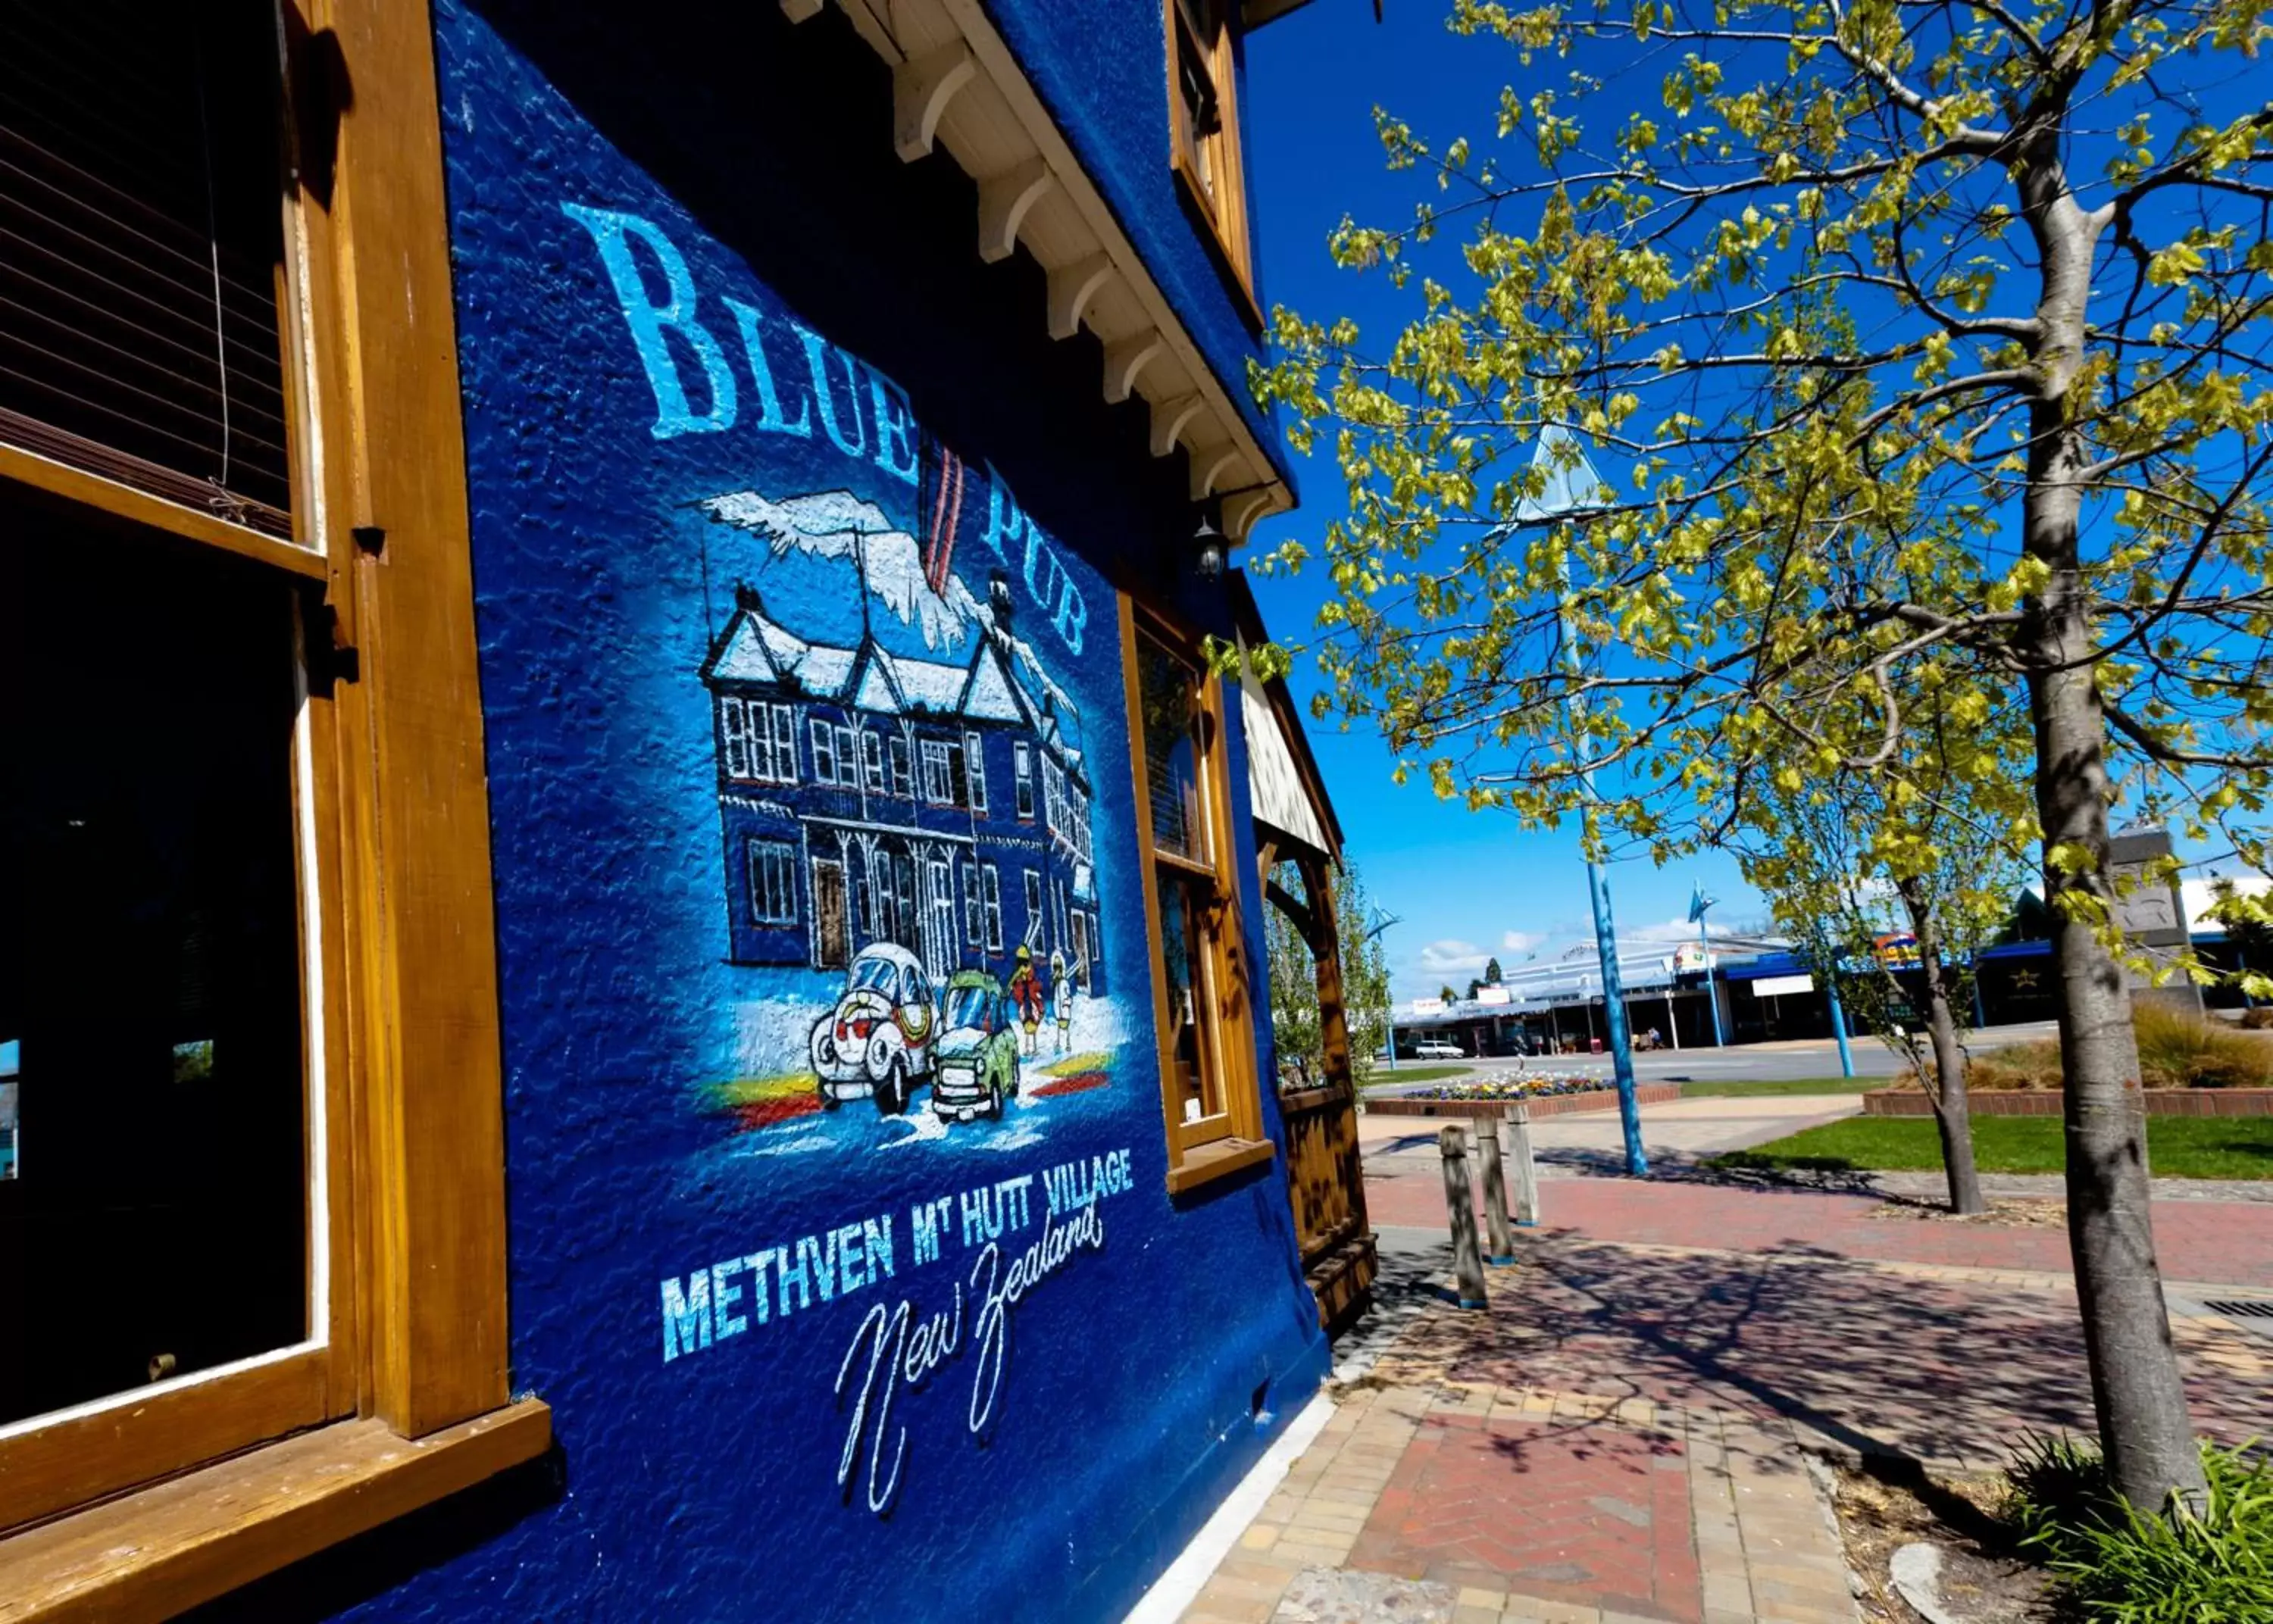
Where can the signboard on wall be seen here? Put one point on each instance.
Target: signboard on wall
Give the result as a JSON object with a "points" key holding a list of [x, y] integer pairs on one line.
{"points": [[1781, 986]]}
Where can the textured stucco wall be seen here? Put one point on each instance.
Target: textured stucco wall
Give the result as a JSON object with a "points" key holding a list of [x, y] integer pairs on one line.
{"points": [[659, 1120], [1101, 68]]}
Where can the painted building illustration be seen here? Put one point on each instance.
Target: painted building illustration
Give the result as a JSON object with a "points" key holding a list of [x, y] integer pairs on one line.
{"points": [[865, 796], [675, 1019]]}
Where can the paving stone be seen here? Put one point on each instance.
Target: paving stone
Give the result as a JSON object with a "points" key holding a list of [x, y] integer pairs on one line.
{"points": [[1728, 1593], [1547, 1611], [1334, 1596], [1639, 1410], [1231, 1609], [1323, 1553]]}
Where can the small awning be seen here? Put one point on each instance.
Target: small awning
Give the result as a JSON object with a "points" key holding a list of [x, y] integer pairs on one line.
{"points": [[1276, 787]]}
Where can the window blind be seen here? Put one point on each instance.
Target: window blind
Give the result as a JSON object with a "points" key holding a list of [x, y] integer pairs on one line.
{"points": [[141, 234]]}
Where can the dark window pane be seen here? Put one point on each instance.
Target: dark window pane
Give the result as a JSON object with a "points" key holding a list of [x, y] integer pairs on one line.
{"points": [[149, 965], [1197, 1092], [140, 234], [1169, 693]]}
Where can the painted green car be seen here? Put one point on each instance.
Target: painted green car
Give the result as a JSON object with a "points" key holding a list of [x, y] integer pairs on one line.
{"points": [[975, 1066]]}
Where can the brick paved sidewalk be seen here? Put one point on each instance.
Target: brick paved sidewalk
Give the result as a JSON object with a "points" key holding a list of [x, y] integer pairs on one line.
{"points": [[2224, 1242], [1627, 1433], [1479, 1504]]}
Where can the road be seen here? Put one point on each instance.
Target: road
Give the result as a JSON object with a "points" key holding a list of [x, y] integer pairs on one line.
{"points": [[1751, 1063]]}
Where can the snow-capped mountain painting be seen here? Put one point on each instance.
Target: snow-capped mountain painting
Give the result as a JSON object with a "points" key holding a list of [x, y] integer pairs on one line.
{"points": [[838, 525], [858, 536]]}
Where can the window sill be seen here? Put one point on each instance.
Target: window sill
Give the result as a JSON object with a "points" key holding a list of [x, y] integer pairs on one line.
{"points": [[175, 1544], [1219, 1159]]}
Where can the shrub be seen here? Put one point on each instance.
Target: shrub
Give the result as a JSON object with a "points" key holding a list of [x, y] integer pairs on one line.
{"points": [[2257, 1020], [2017, 1066], [2179, 1050], [2121, 1564], [2176, 1050]]}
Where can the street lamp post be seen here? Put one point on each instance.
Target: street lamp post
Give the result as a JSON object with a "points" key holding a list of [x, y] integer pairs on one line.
{"points": [[1567, 489], [1697, 904], [1389, 1004], [1839, 1021]]}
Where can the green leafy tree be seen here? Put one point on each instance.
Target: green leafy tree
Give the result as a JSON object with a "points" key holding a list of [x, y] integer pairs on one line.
{"points": [[1296, 1032], [1923, 844], [1492, 977], [1365, 972], [1910, 332], [1298, 1028], [2247, 918], [1447, 994]]}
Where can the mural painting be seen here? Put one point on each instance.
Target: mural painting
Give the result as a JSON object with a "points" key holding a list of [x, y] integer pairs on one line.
{"points": [[899, 678], [906, 808], [907, 865]]}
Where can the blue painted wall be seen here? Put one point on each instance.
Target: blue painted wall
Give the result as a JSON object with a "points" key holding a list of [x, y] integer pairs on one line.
{"points": [[1101, 68], [630, 215]]}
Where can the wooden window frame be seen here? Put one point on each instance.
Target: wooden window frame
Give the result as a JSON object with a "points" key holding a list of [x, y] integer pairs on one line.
{"points": [[146, 1503], [1217, 1146], [1225, 209]]}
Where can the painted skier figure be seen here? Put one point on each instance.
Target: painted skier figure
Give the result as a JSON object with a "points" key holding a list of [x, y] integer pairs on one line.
{"points": [[1026, 992], [1062, 1001]]}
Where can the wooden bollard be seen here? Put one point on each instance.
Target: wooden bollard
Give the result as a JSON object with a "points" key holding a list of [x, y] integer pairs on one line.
{"points": [[1497, 1235], [1527, 1174], [1460, 1203]]}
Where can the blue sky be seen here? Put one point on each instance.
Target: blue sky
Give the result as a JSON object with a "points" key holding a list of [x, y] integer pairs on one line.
{"points": [[1467, 885]]}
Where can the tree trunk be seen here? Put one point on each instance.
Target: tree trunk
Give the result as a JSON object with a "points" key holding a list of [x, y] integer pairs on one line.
{"points": [[1951, 1114], [2136, 1392]]}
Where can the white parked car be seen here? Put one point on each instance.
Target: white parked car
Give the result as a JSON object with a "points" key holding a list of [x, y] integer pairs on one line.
{"points": [[1438, 1051], [878, 1040]]}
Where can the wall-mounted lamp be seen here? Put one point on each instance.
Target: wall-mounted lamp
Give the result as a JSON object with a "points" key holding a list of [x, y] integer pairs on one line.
{"points": [[1207, 549]]}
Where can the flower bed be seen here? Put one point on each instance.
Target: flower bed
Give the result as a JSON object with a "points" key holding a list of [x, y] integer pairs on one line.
{"points": [[1477, 1100], [1511, 1086]]}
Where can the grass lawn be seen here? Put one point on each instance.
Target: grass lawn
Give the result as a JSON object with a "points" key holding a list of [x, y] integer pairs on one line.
{"points": [[1789, 1085], [1408, 1071], [2180, 1146]]}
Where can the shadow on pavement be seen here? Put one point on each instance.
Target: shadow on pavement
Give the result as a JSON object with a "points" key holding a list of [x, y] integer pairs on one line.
{"points": [[1885, 1366]]}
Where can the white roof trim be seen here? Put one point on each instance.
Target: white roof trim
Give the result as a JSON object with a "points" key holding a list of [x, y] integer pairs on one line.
{"points": [[957, 85]]}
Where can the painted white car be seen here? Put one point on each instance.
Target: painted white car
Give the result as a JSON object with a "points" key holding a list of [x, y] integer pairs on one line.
{"points": [[877, 1041], [1438, 1051]]}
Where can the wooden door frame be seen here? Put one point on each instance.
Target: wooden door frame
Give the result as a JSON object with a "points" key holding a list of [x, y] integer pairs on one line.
{"points": [[1339, 1262]]}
